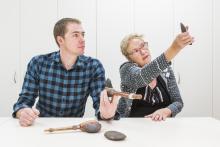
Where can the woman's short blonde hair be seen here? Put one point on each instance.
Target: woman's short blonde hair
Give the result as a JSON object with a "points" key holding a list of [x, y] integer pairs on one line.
{"points": [[125, 43]]}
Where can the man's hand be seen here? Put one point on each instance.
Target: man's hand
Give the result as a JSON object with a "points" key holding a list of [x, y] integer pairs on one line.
{"points": [[107, 108], [160, 114], [27, 116]]}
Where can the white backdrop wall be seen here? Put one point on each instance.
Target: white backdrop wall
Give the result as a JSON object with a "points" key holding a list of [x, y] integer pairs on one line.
{"points": [[9, 57], [27, 30], [216, 59], [194, 65]]}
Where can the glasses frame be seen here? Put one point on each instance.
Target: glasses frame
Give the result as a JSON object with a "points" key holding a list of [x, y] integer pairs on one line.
{"points": [[143, 46]]}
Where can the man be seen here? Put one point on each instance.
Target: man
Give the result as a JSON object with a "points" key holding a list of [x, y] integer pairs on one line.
{"points": [[63, 80]]}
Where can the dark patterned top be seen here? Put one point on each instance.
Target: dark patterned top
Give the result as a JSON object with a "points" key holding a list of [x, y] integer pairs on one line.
{"points": [[133, 77]]}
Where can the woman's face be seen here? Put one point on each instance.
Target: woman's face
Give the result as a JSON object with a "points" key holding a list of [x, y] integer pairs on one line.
{"points": [[138, 52]]}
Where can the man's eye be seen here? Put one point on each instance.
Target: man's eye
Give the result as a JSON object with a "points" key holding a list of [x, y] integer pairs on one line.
{"points": [[75, 35]]}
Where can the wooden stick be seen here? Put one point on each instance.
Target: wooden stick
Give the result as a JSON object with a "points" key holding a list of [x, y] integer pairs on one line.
{"points": [[75, 127], [111, 92]]}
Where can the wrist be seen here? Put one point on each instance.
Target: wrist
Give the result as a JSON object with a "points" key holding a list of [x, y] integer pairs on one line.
{"points": [[171, 52], [106, 117], [18, 113], [168, 112]]}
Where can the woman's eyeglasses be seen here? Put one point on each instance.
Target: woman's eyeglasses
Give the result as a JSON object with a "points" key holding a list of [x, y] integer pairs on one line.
{"points": [[143, 47]]}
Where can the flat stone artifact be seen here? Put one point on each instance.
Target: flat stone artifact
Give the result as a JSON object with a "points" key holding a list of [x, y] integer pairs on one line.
{"points": [[114, 135]]}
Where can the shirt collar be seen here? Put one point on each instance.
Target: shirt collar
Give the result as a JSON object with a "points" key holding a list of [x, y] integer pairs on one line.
{"points": [[79, 60], [57, 57]]}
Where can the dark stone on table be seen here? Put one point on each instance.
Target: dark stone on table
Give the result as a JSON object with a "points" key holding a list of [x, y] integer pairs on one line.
{"points": [[115, 135]]}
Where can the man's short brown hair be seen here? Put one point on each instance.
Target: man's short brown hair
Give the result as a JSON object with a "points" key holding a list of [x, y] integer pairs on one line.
{"points": [[60, 27]]}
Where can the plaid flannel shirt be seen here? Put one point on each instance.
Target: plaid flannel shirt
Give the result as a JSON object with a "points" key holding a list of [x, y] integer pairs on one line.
{"points": [[61, 92]]}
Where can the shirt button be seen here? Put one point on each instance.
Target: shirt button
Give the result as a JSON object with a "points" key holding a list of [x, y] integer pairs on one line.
{"points": [[63, 99], [66, 73]]}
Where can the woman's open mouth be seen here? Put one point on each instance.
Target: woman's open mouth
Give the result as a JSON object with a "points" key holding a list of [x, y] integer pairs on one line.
{"points": [[145, 57]]}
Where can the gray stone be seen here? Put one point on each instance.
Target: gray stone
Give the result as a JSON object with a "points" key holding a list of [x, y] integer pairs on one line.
{"points": [[115, 135]]}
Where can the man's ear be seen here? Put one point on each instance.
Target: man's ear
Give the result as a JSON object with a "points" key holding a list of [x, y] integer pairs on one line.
{"points": [[60, 40]]}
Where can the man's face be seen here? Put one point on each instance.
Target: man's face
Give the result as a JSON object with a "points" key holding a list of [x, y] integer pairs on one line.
{"points": [[73, 41]]}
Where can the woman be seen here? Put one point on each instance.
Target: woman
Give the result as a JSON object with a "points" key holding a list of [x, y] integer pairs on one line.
{"points": [[154, 80]]}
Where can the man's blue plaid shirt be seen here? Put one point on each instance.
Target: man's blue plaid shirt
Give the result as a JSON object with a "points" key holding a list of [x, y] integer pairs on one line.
{"points": [[61, 92]]}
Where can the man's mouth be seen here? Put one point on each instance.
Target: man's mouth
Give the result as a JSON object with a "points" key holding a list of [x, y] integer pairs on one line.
{"points": [[82, 47]]}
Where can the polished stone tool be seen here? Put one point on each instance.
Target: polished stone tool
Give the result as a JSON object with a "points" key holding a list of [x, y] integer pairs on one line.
{"points": [[91, 126]]}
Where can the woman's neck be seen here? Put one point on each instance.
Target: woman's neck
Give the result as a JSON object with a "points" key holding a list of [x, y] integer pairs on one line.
{"points": [[153, 84]]}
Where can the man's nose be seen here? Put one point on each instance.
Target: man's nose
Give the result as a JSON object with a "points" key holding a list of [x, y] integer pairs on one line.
{"points": [[82, 39]]}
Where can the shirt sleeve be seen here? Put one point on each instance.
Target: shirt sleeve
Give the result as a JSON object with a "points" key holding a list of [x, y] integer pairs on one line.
{"points": [[97, 84], [30, 87], [124, 107], [177, 102], [136, 77]]}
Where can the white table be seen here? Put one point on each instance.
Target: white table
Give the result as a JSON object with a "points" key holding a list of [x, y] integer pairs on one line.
{"points": [[3, 120], [141, 132]]}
